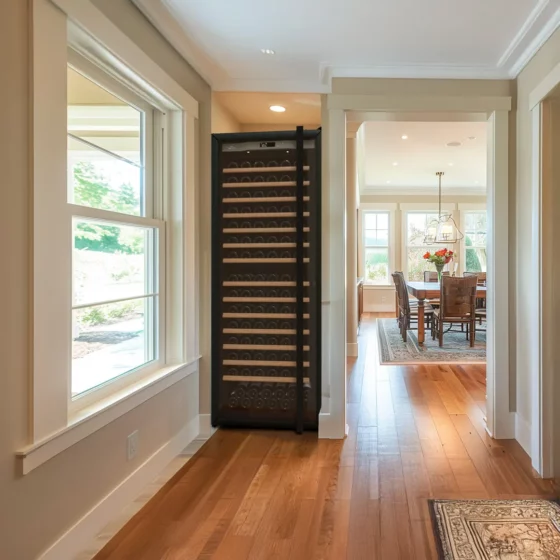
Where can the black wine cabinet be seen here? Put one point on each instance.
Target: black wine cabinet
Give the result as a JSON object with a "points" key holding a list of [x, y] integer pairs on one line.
{"points": [[266, 272]]}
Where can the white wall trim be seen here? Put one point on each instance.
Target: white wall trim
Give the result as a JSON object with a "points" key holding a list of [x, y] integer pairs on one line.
{"points": [[523, 433], [427, 206], [72, 542], [102, 413], [547, 84], [329, 427], [88, 18], [206, 429]]}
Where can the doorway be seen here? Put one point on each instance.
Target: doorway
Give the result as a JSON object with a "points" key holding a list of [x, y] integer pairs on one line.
{"points": [[337, 111]]}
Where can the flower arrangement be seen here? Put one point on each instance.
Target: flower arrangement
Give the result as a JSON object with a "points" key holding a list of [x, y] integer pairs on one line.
{"points": [[441, 257]]}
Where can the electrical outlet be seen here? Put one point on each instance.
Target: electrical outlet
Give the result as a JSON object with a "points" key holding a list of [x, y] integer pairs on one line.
{"points": [[132, 445], [383, 299]]}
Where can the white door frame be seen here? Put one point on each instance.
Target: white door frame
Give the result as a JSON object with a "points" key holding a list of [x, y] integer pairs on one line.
{"points": [[541, 327], [332, 420]]}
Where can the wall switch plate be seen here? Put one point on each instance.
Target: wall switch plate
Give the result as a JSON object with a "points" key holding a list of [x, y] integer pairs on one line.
{"points": [[132, 445]]}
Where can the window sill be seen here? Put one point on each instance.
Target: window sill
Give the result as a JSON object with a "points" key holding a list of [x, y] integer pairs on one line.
{"points": [[378, 286], [96, 416]]}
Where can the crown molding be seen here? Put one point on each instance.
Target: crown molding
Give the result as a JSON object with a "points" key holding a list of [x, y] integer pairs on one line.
{"points": [[422, 191], [161, 16], [540, 24]]}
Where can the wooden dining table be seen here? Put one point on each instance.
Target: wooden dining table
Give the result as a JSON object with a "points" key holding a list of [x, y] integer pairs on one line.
{"points": [[430, 290]]}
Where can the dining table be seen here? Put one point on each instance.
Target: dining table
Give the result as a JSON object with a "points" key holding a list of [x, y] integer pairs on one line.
{"points": [[423, 291]]}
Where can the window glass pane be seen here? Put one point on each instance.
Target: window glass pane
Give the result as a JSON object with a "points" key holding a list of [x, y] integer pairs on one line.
{"points": [[370, 220], [417, 264], [378, 238], [383, 221], [100, 180], [377, 266], [105, 154], [103, 119], [110, 340], [475, 260], [417, 224], [111, 261]]}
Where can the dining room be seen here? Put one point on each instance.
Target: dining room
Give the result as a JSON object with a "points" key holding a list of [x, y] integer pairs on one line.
{"points": [[422, 240]]}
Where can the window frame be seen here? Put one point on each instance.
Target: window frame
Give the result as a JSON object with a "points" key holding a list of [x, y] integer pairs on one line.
{"points": [[464, 209], [386, 208], [57, 25]]}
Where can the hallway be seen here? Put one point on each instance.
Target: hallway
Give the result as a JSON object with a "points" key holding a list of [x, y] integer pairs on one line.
{"points": [[414, 433]]}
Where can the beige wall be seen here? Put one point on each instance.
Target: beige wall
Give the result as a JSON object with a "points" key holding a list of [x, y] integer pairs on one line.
{"points": [[542, 63], [222, 120], [37, 508]]}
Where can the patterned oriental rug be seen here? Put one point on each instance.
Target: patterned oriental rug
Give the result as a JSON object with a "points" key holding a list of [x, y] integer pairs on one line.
{"points": [[496, 529], [455, 350]]}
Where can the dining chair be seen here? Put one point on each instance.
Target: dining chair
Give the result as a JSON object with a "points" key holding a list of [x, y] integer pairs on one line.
{"points": [[431, 276], [480, 311], [457, 306], [407, 311]]}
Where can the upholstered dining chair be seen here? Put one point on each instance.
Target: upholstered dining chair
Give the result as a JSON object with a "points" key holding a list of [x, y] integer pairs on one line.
{"points": [[457, 305], [407, 311]]}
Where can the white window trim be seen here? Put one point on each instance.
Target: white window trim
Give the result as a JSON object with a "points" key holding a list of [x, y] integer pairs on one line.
{"points": [[420, 208], [390, 208], [53, 428]]}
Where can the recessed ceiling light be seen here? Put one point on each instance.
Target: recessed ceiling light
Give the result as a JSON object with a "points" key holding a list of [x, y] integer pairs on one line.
{"points": [[388, 182], [476, 182], [472, 137], [395, 163], [268, 51], [450, 164], [453, 144], [277, 108], [404, 137]]}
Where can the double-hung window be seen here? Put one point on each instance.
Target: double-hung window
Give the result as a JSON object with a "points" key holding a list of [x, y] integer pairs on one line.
{"points": [[376, 247], [115, 204], [475, 240], [416, 224]]}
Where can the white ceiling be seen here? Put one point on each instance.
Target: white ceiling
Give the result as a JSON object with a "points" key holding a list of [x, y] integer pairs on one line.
{"points": [[316, 40], [424, 152]]}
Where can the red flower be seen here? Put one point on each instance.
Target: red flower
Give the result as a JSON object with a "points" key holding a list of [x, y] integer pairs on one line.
{"points": [[427, 255], [441, 253]]}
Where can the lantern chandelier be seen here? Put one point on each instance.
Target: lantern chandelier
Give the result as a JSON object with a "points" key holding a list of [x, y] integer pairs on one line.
{"points": [[443, 230]]}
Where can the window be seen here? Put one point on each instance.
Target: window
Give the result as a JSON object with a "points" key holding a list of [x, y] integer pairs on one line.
{"points": [[475, 241], [416, 224], [116, 231], [376, 247]]}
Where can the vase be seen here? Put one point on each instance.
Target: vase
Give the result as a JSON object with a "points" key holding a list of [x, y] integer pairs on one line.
{"points": [[439, 268]]}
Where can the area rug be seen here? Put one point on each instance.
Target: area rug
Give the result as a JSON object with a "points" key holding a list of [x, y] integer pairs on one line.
{"points": [[455, 350], [496, 529]]}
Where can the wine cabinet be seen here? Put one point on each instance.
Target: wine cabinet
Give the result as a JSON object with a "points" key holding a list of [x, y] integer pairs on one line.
{"points": [[266, 279]]}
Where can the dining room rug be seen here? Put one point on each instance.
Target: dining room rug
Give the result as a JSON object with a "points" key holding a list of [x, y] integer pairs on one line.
{"points": [[496, 529], [455, 350]]}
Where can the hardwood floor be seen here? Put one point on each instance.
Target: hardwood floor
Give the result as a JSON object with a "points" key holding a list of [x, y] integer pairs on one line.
{"points": [[415, 433]]}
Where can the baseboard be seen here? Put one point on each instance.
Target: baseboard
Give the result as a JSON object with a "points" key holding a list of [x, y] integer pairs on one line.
{"points": [[352, 349], [523, 433], [329, 428], [205, 429], [84, 531]]}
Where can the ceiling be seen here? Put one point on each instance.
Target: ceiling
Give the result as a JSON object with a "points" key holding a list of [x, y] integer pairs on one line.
{"points": [[316, 40], [254, 108], [424, 152]]}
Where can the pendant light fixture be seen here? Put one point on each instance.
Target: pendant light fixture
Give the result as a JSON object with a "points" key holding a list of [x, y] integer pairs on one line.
{"points": [[444, 230]]}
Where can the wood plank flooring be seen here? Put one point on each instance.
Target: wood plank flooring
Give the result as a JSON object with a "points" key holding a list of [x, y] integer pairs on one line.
{"points": [[415, 433]]}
